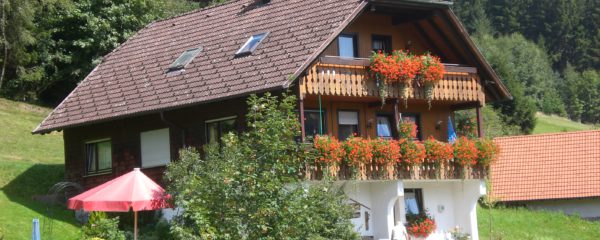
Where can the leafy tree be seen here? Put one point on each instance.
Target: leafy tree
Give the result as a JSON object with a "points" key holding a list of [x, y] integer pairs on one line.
{"points": [[250, 187], [581, 92]]}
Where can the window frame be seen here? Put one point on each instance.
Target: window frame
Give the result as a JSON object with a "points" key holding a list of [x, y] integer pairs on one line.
{"points": [[418, 196], [168, 150], [218, 120], [357, 121], [354, 37], [178, 67], [86, 171], [418, 122], [324, 120], [242, 51], [386, 39], [390, 117]]}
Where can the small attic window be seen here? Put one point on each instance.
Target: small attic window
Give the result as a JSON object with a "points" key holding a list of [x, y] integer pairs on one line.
{"points": [[251, 44], [185, 58]]}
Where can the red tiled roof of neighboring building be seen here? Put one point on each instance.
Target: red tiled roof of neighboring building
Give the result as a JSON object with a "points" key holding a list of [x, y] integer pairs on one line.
{"points": [[547, 166], [132, 79]]}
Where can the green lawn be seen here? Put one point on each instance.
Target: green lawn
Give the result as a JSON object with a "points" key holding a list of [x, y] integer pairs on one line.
{"points": [[29, 165], [521, 223], [550, 124]]}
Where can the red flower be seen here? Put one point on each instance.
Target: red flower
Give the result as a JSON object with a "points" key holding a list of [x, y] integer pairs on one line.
{"points": [[465, 152], [438, 152], [432, 70], [358, 151], [408, 129], [413, 152], [487, 151], [329, 150], [385, 151]]}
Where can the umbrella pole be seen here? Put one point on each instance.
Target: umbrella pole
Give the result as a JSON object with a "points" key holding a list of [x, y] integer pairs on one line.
{"points": [[135, 225]]}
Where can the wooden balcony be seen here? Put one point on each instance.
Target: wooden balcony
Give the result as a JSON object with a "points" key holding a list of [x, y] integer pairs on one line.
{"points": [[379, 173], [334, 76]]}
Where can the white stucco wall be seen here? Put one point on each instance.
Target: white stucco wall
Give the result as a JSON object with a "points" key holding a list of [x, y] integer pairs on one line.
{"points": [[585, 208], [452, 203]]}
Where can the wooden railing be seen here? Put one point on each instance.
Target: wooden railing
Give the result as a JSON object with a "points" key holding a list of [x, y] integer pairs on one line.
{"points": [[352, 79], [378, 173]]}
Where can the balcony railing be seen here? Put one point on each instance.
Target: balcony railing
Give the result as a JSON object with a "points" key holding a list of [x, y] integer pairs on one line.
{"points": [[377, 173], [334, 76]]}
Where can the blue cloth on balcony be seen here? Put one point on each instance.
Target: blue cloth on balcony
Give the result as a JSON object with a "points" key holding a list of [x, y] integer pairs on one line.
{"points": [[451, 132]]}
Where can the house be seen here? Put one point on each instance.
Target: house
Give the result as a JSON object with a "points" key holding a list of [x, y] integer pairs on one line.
{"points": [[183, 81], [556, 172]]}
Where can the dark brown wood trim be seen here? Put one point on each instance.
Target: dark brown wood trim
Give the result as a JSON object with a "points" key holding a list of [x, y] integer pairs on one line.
{"points": [[479, 122], [423, 35], [446, 39], [463, 106], [301, 114]]}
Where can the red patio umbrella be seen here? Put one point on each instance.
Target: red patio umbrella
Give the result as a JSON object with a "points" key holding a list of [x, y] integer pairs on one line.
{"points": [[133, 190]]}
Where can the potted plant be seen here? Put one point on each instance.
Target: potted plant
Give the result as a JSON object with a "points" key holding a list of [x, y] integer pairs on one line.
{"points": [[465, 153], [329, 153], [399, 67], [358, 155], [407, 129], [420, 225], [431, 71], [386, 153], [438, 154]]}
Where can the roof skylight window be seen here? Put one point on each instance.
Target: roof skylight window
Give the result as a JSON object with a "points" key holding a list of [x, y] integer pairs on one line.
{"points": [[251, 44], [185, 58]]}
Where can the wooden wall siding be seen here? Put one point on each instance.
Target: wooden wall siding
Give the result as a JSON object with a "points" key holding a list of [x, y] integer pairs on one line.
{"points": [[370, 108], [369, 24], [355, 81], [125, 137]]}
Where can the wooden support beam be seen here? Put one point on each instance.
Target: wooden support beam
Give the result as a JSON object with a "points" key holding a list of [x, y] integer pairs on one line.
{"points": [[301, 114], [446, 39], [479, 122], [396, 117], [423, 35]]}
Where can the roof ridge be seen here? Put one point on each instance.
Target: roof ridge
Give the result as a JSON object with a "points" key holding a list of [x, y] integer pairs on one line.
{"points": [[226, 2], [548, 134]]}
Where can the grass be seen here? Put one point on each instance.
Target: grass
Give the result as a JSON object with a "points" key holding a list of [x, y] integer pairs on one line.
{"points": [[521, 223], [551, 123], [29, 165]]}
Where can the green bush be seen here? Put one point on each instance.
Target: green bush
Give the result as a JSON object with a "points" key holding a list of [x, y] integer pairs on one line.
{"points": [[249, 187], [101, 227]]}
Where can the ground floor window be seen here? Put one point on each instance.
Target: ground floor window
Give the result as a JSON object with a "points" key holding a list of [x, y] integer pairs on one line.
{"points": [[217, 128], [98, 156], [413, 200]]}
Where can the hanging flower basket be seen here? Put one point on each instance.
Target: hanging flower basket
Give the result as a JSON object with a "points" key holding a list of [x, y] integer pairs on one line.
{"points": [[430, 73], [398, 67]]}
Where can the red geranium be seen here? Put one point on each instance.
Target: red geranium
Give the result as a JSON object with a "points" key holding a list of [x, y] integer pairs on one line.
{"points": [[438, 152], [487, 151], [329, 149], [465, 152], [385, 151], [358, 151], [413, 152], [420, 225], [408, 129], [432, 70]]}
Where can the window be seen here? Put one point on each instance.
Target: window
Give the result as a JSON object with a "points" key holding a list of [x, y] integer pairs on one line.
{"points": [[347, 124], [384, 127], [185, 58], [251, 44], [155, 147], [347, 45], [312, 124], [217, 128], [98, 156], [413, 201], [381, 43], [413, 117]]}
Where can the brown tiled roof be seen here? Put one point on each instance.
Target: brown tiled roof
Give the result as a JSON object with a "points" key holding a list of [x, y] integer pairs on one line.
{"points": [[547, 166], [132, 79]]}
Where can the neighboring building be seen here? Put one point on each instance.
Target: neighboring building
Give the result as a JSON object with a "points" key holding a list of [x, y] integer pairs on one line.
{"points": [[184, 81], [556, 171]]}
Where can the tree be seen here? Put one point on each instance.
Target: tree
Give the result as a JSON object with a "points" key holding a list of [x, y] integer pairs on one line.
{"points": [[250, 186]]}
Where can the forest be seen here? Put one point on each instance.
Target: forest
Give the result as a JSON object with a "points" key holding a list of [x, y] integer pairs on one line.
{"points": [[547, 54]]}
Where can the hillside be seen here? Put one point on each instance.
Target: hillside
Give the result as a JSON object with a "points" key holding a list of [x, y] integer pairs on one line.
{"points": [[29, 165], [551, 123]]}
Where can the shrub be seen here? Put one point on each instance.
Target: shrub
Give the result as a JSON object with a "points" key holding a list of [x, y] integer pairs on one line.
{"points": [[103, 228]]}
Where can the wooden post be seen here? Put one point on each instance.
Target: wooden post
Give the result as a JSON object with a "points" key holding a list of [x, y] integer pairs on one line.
{"points": [[396, 117], [135, 232], [301, 109], [479, 122]]}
